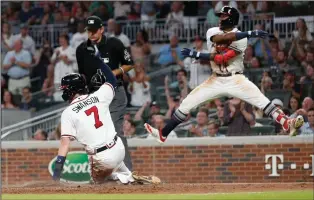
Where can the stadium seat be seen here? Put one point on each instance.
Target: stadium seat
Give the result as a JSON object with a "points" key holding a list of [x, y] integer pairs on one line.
{"points": [[182, 133], [283, 95], [223, 130], [264, 121], [263, 130]]}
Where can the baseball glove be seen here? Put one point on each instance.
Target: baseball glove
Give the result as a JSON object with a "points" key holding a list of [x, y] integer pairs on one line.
{"points": [[146, 179]]}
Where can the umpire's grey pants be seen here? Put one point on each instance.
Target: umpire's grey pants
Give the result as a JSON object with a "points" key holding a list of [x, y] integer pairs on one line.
{"points": [[117, 110]]}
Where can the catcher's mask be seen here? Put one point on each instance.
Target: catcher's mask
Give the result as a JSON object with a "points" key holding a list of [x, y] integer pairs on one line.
{"points": [[233, 18], [72, 84]]}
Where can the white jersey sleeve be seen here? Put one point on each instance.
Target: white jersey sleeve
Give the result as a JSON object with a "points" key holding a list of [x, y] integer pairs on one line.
{"points": [[67, 126], [106, 93], [209, 34]]}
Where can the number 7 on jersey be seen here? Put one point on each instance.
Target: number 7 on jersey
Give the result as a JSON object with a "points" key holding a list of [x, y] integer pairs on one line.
{"points": [[94, 110]]}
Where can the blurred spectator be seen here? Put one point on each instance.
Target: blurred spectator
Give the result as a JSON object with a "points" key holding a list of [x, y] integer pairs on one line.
{"points": [[41, 66], [121, 10], [127, 116], [213, 129], [129, 129], [308, 127], [11, 15], [135, 12], [8, 101], [64, 61], [141, 49], [59, 19], [28, 41], [173, 102], [102, 12], [260, 48], [64, 11], [162, 9], [293, 104], [111, 23], [27, 13], [148, 15], [80, 36], [248, 56], [40, 135], [281, 61], [220, 114], [139, 87], [174, 21], [255, 63], [28, 103], [190, 13], [266, 84], [158, 122], [56, 134], [309, 76], [289, 84], [201, 128], [301, 38], [121, 36], [171, 53], [307, 104], [309, 59], [47, 15], [238, 117], [199, 70], [258, 113], [211, 17], [153, 109], [17, 63], [7, 39], [48, 85], [180, 85]]}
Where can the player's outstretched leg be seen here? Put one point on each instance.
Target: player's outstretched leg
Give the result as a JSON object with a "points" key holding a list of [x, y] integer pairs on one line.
{"points": [[161, 135], [208, 90], [290, 125], [246, 90]]}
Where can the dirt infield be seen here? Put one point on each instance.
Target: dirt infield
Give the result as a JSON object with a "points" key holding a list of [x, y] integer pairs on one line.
{"points": [[52, 188]]}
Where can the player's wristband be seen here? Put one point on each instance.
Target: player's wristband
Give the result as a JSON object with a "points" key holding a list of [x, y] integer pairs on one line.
{"points": [[58, 167], [241, 35], [202, 56]]}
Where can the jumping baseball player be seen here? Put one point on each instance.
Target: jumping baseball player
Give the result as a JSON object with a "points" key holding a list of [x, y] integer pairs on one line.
{"points": [[226, 45], [87, 119]]}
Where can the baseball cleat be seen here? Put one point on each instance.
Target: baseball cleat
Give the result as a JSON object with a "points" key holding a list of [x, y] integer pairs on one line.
{"points": [[155, 133], [295, 124]]}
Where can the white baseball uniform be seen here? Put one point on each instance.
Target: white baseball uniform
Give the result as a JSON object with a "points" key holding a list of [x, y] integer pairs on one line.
{"points": [[236, 85], [88, 121]]}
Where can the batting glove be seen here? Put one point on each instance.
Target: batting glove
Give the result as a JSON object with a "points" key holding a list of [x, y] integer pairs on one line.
{"points": [[257, 34], [188, 53]]}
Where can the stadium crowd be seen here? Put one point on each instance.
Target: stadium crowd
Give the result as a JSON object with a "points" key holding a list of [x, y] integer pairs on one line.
{"points": [[277, 66]]}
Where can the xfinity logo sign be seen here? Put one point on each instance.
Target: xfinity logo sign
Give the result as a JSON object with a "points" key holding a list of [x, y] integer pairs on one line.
{"points": [[274, 162]]}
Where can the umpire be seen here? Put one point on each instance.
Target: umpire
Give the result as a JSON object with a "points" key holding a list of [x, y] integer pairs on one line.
{"points": [[113, 53]]}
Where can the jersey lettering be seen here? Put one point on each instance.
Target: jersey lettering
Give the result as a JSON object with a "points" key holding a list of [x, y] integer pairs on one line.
{"points": [[94, 110], [80, 105]]}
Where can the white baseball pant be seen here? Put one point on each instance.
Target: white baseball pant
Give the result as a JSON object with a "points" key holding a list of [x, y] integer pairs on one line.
{"points": [[109, 164], [232, 86]]}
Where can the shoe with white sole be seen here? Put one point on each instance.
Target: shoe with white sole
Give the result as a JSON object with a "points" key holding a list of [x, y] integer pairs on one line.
{"points": [[155, 133], [295, 124]]}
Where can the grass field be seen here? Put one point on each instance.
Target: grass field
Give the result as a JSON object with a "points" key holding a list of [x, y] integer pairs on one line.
{"points": [[293, 195]]}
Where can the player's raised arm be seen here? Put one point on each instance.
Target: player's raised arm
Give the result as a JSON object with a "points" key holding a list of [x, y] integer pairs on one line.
{"points": [[103, 75], [234, 36]]}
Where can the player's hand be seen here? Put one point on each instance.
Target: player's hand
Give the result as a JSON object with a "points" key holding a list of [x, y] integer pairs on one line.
{"points": [[188, 53], [258, 34]]}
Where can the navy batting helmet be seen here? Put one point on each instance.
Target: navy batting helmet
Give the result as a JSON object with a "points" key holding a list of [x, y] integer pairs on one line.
{"points": [[72, 84], [233, 18]]}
